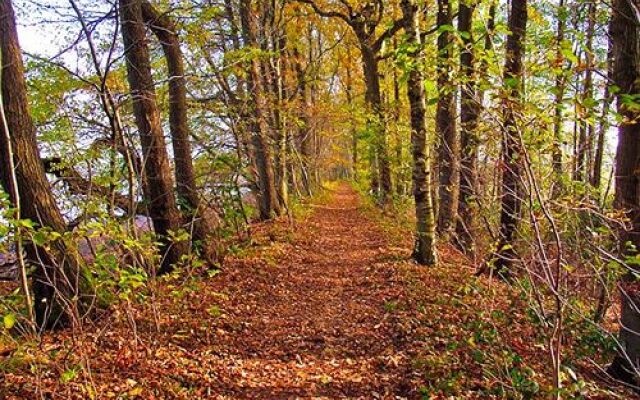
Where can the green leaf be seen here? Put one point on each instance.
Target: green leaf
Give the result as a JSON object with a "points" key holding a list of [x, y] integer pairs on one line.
{"points": [[39, 238], [9, 320], [68, 375], [511, 82], [446, 28], [214, 311]]}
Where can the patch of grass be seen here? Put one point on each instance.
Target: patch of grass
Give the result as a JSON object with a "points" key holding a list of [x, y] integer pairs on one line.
{"points": [[390, 306]]}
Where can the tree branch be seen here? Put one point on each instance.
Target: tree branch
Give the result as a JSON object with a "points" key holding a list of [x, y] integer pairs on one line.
{"points": [[324, 13], [79, 185]]}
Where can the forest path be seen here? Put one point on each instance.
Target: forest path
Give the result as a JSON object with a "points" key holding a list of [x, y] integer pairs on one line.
{"points": [[312, 309], [317, 321]]}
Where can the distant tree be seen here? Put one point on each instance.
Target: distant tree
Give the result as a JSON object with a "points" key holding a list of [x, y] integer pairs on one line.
{"points": [[364, 22]]}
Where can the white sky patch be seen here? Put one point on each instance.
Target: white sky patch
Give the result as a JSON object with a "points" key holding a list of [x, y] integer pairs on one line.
{"points": [[36, 40]]}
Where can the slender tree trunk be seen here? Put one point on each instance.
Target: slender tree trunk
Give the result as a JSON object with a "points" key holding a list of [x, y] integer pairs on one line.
{"points": [[469, 114], [585, 129], [559, 100], [58, 279], [158, 188], [282, 137], [625, 34], [511, 152], [589, 100], [399, 181], [596, 174], [189, 199], [354, 132], [449, 142], [425, 250], [268, 198]]}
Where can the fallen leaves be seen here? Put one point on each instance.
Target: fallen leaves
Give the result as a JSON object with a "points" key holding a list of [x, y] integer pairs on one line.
{"points": [[329, 308]]}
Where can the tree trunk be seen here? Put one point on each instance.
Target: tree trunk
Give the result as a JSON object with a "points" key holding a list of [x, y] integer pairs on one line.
{"points": [[58, 279], [511, 152], [189, 199], [424, 251], [352, 127], [585, 130], [267, 199], [304, 131], [399, 178], [280, 114], [596, 174], [625, 34], [449, 143], [376, 121], [469, 114], [158, 188], [559, 100]]}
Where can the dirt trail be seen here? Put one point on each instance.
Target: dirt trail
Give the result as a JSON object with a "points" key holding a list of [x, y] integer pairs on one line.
{"points": [[317, 322]]}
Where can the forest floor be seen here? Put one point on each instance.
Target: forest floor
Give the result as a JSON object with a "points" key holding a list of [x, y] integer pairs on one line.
{"points": [[326, 307]]}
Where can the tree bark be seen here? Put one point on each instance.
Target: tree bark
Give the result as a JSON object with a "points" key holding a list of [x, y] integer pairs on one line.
{"points": [[59, 279], [511, 152], [304, 135], [425, 250], [158, 188], [376, 120], [449, 142], [188, 197], [625, 33], [469, 115]]}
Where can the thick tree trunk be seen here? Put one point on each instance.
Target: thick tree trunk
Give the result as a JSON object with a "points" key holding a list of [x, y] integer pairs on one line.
{"points": [[58, 280], [268, 198], [425, 249], [370, 65], [625, 34], [158, 188], [469, 114], [449, 142], [189, 199], [511, 152]]}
